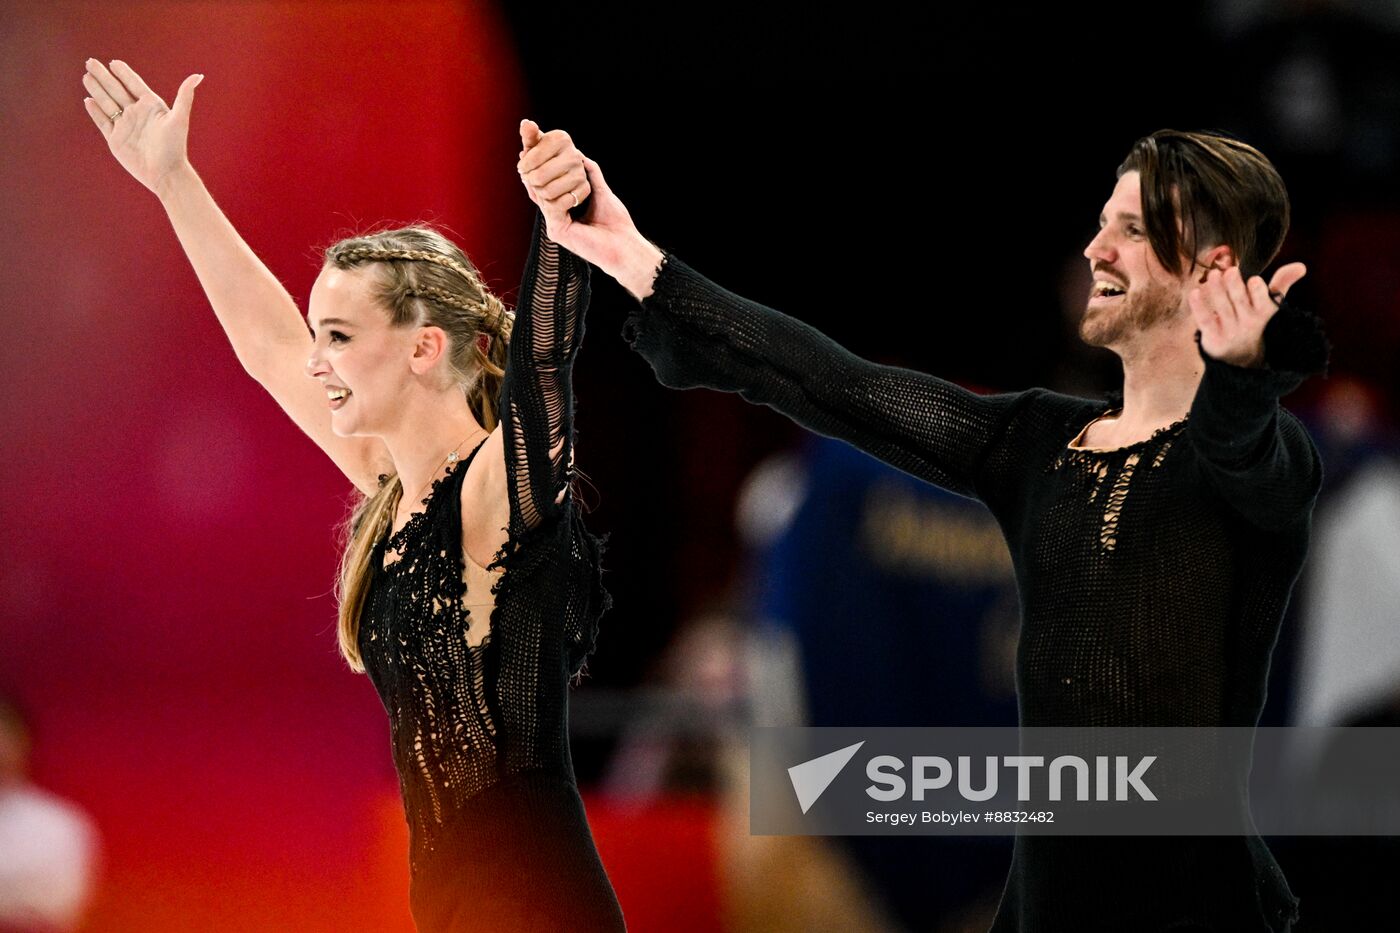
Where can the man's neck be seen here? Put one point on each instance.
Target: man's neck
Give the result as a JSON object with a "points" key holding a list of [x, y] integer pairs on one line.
{"points": [[1161, 371]]}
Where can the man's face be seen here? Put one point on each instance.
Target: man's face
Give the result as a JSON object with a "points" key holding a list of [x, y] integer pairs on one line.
{"points": [[1132, 292]]}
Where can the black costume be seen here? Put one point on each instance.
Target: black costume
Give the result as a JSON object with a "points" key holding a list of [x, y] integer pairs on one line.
{"points": [[498, 836], [1152, 578]]}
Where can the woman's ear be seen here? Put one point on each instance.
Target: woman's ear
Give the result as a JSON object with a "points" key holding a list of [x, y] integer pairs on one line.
{"points": [[428, 348]]}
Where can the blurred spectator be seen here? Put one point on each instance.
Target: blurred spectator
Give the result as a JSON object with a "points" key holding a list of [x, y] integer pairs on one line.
{"points": [[48, 847], [1342, 625], [884, 601], [677, 734], [1350, 657], [900, 597]]}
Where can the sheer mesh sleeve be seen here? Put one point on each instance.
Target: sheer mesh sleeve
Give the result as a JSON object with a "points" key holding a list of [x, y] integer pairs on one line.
{"points": [[694, 333], [537, 400], [1254, 454]]}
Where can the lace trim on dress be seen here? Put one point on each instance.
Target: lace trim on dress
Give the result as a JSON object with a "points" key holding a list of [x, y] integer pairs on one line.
{"points": [[398, 541]]}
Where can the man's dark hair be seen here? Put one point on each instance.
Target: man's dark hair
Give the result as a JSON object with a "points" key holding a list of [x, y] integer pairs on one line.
{"points": [[1225, 191]]}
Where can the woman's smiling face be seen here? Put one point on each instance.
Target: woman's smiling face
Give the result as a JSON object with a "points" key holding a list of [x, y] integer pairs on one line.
{"points": [[356, 353]]}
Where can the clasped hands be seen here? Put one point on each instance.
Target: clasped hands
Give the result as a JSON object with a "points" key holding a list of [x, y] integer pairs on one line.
{"points": [[559, 179]]}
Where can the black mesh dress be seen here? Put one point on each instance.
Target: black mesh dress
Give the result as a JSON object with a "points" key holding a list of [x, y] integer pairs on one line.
{"points": [[478, 704], [1152, 578]]}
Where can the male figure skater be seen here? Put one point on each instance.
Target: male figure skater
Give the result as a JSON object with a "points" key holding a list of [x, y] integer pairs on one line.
{"points": [[1155, 543]]}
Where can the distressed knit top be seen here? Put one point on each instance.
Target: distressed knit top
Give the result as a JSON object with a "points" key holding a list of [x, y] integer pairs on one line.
{"points": [[475, 701], [1152, 578]]}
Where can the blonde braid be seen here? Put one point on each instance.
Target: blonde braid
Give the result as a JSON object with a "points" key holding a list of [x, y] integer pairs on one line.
{"points": [[358, 253], [443, 297], [500, 321], [496, 320]]}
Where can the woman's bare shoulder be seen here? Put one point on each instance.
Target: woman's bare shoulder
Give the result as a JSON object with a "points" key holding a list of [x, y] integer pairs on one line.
{"points": [[485, 503]]}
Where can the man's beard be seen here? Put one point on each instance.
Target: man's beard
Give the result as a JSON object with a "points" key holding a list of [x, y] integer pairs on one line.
{"points": [[1106, 326]]}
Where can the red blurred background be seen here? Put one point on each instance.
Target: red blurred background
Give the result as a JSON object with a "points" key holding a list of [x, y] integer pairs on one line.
{"points": [[165, 607]]}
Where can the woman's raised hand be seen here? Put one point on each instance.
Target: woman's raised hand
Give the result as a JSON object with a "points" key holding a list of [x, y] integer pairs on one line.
{"points": [[147, 137]]}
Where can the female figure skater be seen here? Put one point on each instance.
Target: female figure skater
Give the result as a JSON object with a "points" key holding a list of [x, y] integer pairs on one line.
{"points": [[470, 590]]}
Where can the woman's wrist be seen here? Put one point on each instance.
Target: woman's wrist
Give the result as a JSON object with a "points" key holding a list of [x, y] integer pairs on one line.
{"points": [[172, 182]]}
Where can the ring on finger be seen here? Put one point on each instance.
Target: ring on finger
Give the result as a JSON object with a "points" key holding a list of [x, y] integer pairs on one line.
{"points": [[575, 197], [119, 112]]}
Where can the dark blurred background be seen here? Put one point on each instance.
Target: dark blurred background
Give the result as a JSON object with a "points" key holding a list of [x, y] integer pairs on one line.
{"points": [[918, 183]]}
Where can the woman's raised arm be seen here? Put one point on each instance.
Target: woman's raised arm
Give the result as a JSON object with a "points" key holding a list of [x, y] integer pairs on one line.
{"points": [[537, 400], [260, 318]]}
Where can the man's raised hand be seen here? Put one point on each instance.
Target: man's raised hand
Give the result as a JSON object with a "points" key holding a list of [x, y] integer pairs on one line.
{"points": [[1231, 313]]}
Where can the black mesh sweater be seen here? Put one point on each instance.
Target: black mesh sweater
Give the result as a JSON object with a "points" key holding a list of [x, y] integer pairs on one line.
{"points": [[1152, 578], [498, 836]]}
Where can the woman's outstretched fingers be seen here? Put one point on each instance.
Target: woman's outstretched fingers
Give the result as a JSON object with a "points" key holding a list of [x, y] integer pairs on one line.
{"points": [[103, 121], [99, 94], [184, 98], [130, 79], [147, 139], [109, 83]]}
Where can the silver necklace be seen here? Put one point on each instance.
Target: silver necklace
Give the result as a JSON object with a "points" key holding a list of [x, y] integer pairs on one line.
{"points": [[451, 459]]}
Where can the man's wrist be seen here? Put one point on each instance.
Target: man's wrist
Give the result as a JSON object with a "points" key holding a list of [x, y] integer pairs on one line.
{"points": [[1250, 360], [637, 263]]}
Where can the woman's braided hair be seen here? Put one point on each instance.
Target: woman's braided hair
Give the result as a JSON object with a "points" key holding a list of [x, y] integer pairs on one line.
{"points": [[422, 279]]}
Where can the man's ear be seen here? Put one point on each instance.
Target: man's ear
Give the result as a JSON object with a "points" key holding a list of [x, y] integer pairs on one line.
{"points": [[1217, 257]]}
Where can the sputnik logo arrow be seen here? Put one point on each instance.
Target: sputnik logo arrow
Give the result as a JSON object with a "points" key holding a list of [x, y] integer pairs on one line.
{"points": [[811, 778]]}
